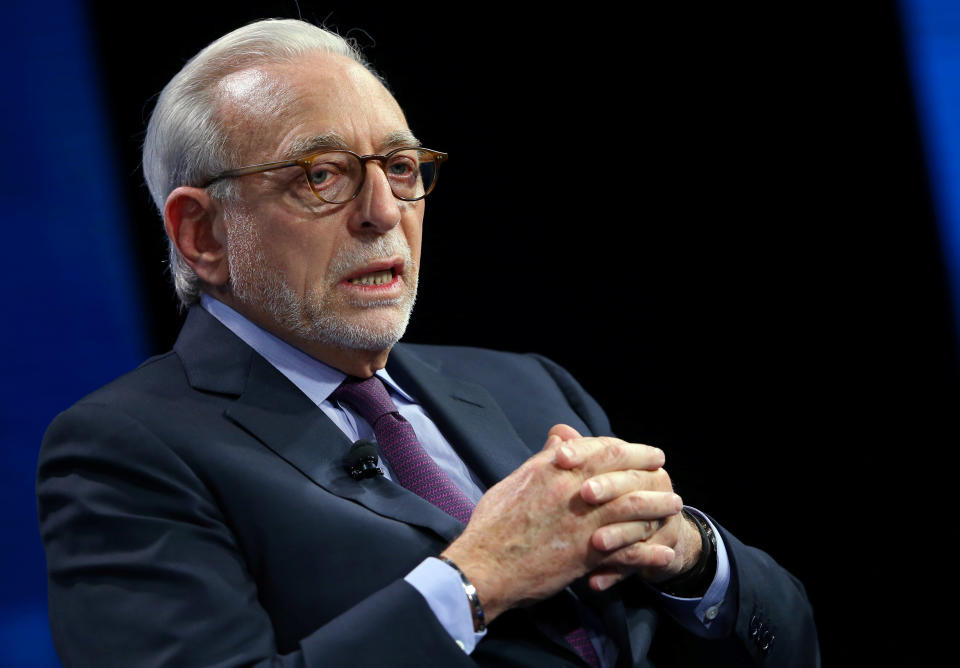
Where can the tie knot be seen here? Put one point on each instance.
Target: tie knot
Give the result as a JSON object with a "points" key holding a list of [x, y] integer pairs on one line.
{"points": [[367, 396]]}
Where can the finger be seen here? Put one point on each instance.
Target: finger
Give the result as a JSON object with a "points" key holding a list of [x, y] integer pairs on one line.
{"points": [[605, 453], [640, 506], [639, 556], [614, 536], [565, 432], [606, 486], [603, 578]]}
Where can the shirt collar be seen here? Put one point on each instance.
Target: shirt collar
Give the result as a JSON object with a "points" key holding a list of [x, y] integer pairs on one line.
{"points": [[314, 378]]}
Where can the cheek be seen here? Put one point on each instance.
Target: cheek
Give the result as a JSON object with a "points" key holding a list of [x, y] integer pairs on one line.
{"points": [[413, 231], [301, 252]]}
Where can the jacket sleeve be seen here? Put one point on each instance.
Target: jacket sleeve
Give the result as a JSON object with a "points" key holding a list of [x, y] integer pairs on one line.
{"points": [[144, 570], [774, 620], [773, 625]]}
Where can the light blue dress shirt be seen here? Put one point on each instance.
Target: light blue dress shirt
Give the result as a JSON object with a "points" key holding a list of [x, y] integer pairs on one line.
{"points": [[438, 583]]}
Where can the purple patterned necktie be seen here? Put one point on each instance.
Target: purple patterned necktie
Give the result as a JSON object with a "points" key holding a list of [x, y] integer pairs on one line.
{"points": [[409, 462], [581, 642], [416, 470]]}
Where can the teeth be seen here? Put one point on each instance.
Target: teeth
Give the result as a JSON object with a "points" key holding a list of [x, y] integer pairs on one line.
{"points": [[374, 278]]}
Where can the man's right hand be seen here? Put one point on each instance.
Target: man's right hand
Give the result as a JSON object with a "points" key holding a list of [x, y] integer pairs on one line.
{"points": [[530, 535]]}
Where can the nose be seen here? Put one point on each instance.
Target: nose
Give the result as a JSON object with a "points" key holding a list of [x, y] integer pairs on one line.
{"points": [[378, 210]]}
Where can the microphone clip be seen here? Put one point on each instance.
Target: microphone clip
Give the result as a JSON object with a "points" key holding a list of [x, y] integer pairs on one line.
{"points": [[361, 460]]}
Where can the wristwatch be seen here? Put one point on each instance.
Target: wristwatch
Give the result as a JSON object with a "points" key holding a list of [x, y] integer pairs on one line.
{"points": [[695, 582]]}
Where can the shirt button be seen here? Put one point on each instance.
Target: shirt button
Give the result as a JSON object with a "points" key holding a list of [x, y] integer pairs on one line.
{"points": [[712, 612]]}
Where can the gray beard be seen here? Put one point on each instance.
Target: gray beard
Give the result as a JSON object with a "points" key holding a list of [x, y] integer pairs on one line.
{"points": [[314, 317]]}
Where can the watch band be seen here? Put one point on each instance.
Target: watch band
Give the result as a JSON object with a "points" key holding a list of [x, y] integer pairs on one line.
{"points": [[695, 582], [479, 623]]}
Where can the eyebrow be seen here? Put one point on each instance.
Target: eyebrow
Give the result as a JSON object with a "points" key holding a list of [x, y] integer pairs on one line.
{"points": [[328, 141], [331, 141], [397, 139]]}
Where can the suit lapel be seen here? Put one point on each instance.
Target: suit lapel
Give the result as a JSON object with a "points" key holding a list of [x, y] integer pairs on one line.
{"points": [[466, 415], [279, 415]]}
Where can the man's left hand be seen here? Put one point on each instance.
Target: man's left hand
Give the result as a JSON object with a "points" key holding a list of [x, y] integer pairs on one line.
{"points": [[622, 542]]}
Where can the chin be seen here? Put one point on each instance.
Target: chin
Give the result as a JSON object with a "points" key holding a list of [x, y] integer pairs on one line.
{"points": [[317, 318], [358, 336], [369, 329]]}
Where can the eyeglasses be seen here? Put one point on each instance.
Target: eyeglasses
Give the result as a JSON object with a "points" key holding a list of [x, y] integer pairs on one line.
{"points": [[337, 176]]}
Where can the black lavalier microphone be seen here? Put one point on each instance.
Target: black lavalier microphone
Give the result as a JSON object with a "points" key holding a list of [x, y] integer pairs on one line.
{"points": [[361, 460]]}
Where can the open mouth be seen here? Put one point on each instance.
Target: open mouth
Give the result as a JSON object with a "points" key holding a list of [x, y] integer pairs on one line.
{"points": [[373, 278], [375, 275]]}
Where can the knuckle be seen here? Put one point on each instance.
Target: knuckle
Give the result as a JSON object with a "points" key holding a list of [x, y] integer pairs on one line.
{"points": [[638, 502], [634, 552], [616, 450]]}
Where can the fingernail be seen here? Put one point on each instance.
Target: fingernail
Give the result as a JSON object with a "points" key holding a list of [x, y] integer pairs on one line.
{"points": [[677, 502], [595, 488], [606, 540], [567, 452], [605, 582]]}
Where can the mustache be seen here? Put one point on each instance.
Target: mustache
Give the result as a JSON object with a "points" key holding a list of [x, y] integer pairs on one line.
{"points": [[389, 245]]}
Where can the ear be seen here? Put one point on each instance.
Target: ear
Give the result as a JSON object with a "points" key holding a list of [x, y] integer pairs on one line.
{"points": [[195, 225]]}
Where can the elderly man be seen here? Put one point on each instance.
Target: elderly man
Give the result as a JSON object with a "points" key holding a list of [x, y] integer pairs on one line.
{"points": [[208, 509]]}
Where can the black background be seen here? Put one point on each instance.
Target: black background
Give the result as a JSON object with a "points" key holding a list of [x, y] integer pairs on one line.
{"points": [[740, 263]]}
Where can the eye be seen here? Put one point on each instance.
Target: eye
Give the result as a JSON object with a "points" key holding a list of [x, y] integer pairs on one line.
{"points": [[324, 172], [402, 166], [335, 176]]}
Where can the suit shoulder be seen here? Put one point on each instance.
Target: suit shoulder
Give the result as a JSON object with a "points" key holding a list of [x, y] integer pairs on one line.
{"points": [[156, 374], [145, 395]]}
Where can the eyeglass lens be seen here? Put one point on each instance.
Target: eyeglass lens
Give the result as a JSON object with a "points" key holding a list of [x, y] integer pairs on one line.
{"points": [[337, 175]]}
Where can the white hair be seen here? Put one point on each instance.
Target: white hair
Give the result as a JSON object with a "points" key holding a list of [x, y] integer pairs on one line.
{"points": [[187, 141]]}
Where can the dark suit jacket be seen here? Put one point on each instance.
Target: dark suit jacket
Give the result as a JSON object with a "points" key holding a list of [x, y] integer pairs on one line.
{"points": [[196, 512]]}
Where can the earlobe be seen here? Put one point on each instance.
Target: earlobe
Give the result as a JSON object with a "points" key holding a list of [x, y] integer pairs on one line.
{"points": [[194, 224]]}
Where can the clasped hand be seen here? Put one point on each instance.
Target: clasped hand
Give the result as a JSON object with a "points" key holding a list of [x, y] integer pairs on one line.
{"points": [[596, 505]]}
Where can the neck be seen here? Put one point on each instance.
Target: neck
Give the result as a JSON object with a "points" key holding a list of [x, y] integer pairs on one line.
{"points": [[359, 363]]}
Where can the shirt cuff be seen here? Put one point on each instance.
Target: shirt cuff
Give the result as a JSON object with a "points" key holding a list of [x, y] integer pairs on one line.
{"points": [[442, 587], [707, 616]]}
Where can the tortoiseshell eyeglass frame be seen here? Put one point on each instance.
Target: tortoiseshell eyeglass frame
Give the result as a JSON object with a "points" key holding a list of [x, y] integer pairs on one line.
{"points": [[426, 155]]}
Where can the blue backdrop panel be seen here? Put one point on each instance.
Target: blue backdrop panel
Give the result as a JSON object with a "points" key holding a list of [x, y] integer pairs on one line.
{"points": [[70, 317], [932, 36]]}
